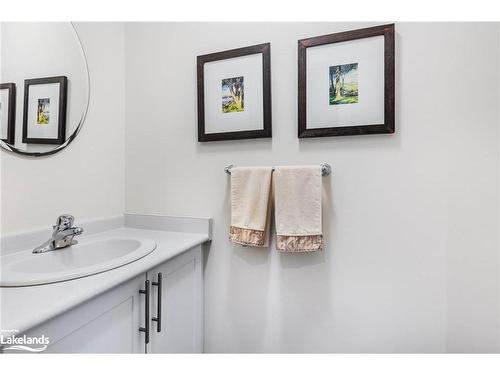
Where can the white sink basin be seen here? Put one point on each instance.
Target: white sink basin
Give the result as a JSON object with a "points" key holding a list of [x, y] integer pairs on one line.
{"points": [[84, 259]]}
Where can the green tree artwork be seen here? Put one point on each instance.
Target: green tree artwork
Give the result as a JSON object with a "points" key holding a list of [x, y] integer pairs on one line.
{"points": [[343, 84], [233, 95]]}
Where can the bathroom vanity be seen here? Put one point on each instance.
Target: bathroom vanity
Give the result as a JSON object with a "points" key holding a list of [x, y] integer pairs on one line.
{"points": [[151, 305]]}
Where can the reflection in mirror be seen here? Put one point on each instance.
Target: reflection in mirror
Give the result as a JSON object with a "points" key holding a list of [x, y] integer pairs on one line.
{"points": [[44, 86]]}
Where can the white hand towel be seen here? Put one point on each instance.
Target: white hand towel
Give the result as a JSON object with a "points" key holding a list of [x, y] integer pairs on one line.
{"points": [[251, 200], [298, 208]]}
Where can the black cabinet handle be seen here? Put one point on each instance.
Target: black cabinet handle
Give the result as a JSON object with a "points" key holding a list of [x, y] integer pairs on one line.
{"points": [[157, 319], [145, 329]]}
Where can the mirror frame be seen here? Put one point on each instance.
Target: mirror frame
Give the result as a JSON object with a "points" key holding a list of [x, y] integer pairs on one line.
{"points": [[10, 148]]}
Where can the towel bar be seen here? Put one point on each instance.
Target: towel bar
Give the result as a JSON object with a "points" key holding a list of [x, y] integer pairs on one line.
{"points": [[326, 169]]}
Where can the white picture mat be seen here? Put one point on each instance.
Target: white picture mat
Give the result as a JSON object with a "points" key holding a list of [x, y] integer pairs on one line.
{"points": [[369, 54], [252, 118], [4, 113], [50, 130]]}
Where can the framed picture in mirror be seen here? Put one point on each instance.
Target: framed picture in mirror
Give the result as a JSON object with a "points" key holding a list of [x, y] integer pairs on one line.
{"points": [[234, 94], [44, 120], [7, 112], [346, 83]]}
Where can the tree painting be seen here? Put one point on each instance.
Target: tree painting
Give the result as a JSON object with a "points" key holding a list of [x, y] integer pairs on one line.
{"points": [[43, 111], [233, 95], [344, 84]]}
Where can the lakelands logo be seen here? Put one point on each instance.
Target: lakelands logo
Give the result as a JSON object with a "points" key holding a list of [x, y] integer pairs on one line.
{"points": [[9, 341]]}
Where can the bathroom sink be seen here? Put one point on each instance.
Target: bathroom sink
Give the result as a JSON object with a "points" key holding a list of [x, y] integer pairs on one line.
{"points": [[84, 259]]}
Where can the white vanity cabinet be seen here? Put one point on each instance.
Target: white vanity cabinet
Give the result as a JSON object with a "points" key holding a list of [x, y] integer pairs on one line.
{"points": [[177, 305], [108, 323], [115, 322]]}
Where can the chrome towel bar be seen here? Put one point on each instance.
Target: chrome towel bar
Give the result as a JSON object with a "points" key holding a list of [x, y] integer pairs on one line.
{"points": [[326, 169]]}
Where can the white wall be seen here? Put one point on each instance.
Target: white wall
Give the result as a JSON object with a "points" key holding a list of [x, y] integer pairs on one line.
{"points": [[87, 178], [410, 219]]}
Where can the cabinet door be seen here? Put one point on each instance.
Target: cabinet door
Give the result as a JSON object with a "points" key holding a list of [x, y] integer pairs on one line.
{"points": [[106, 324], [181, 305]]}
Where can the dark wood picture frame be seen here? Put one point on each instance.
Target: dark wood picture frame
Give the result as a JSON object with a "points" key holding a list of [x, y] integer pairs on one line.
{"points": [[63, 95], [387, 31], [266, 132], [11, 114]]}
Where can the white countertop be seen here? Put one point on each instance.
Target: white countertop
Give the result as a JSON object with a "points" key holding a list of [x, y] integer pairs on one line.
{"points": [[22, 308]]}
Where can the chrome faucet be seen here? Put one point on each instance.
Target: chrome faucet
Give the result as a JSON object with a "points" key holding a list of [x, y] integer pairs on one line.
{"points": [[62, 236]]}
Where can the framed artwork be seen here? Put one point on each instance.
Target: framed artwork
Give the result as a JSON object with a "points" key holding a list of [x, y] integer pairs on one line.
{"points": [[234, 94], [7, 112], [346, 83], [44, 120]]}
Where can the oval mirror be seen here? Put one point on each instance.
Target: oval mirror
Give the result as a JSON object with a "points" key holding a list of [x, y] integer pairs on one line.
{"points": [[44, 86]]}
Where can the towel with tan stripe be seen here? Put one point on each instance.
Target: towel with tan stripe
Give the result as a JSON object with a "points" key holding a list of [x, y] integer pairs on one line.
{"points": [[251, 202], [298, 208]]}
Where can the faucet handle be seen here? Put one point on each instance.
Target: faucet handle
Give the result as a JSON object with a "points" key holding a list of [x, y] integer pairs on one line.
{"points": [[64, 222]]}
